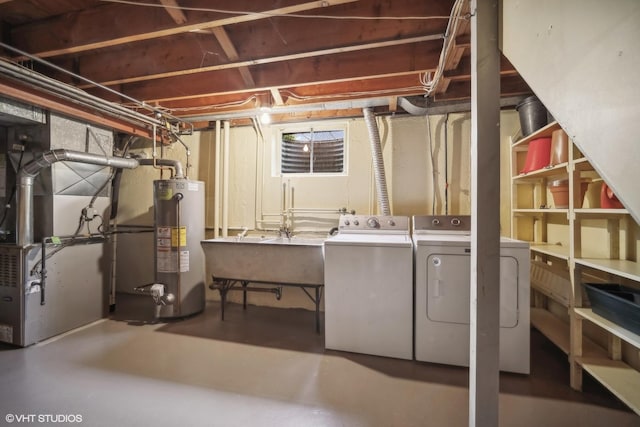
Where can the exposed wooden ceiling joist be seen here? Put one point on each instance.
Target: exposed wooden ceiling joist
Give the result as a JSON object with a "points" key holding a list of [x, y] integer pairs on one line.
{"points": [[232, 54], [69, 40], [174, 11], [273, 59], [194, 61]]}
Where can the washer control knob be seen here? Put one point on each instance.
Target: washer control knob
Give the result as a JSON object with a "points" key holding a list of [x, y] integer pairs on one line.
{"points": [[392, 223], [455, 222], [346, 222], [373, 223], [356, 222], [435, 221]]}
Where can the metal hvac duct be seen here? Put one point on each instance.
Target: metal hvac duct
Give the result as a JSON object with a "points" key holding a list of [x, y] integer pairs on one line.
{"points": [[28, 173], [378, 162]]}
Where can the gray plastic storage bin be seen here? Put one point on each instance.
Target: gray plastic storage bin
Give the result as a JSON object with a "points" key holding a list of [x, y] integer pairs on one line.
{"points": [[617, 303]]}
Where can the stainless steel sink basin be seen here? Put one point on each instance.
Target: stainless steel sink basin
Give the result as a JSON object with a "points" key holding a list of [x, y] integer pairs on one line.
{"points": [[295, 260]]}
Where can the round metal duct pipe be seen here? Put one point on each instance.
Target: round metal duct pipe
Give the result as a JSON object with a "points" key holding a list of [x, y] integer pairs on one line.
{"points": [[378, 162], [28, 173]]}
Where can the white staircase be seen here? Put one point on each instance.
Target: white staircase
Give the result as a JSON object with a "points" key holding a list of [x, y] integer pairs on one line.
{"points": [[582, 59]]}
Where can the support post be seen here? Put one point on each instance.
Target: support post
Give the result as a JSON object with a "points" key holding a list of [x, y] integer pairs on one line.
{"points": [[485, 219]]}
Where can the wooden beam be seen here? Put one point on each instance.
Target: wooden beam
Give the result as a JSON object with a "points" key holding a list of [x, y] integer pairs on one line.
{"points": [[393, 103], [252, 40], [358, 88], [456, 52], [174, 11], [408, 59], [463, 70], [277, 97], [84, 45], [274, 59], [31, 96], [232, 54]]}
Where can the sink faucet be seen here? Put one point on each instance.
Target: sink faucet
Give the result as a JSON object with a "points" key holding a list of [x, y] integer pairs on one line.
{"points": [[285, 231], [243, 233]]}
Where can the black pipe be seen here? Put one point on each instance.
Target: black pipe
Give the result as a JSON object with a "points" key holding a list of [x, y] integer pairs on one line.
{"points": [[115, 193], [43, 270]]}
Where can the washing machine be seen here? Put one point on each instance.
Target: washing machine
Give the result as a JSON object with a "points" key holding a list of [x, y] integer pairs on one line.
{"points": [[368, 273], [442, 282]]}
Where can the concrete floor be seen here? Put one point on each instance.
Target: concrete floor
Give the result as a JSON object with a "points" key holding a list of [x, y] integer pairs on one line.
{"points": [[267, 367]]}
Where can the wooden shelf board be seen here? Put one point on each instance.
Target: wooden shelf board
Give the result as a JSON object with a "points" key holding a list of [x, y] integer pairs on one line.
{"points": [[559, 169], [557, 251], [601, 212], [619, 267], [582, 164], [534, 211], [622, 380], [617, 330], [540, 133]]}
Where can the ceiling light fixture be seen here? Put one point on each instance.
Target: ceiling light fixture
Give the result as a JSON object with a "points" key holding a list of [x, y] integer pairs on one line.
{"points": [[265, 118]]}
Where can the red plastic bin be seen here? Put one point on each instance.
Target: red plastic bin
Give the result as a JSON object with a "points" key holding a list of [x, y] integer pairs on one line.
{"points": [[538, 154]]}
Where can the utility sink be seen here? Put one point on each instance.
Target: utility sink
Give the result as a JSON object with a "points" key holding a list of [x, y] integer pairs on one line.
{"points": [[295, 260]]}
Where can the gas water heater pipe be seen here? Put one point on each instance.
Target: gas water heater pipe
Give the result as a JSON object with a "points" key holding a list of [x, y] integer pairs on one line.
{"points": [[216, 183], [178, 198], [225, 182], [178, 171], [378, 162]]}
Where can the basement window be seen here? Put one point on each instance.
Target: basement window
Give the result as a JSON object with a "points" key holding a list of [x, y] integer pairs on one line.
{"points": [[312, 151]]}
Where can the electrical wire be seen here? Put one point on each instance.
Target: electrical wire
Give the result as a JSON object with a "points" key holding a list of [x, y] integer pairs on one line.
{"points": [[342, 95], [295, 96], [274, 14], [239, 103], [429, 82], [433, 168]]}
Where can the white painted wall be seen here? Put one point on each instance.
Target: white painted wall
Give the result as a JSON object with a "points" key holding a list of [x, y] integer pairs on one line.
{"points": [[256, 188]]}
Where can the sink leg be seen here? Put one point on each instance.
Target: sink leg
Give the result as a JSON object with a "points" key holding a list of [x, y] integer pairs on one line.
{"points": [[244, 295], [317, 310], [224, 288], [223, 300]]}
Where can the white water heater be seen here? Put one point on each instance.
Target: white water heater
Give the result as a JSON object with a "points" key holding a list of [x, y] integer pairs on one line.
{"points": [[179, 260]]}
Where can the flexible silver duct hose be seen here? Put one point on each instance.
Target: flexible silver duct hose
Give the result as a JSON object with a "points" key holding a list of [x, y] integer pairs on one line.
{"points": [[32, 169], [378, 162], [178, 172]]}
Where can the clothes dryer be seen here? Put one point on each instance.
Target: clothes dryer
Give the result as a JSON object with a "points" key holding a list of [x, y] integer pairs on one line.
{"points": [[442, 288]]}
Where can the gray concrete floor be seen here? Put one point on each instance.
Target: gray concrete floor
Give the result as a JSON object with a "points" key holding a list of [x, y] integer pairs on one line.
{"points": [[266, 367]]}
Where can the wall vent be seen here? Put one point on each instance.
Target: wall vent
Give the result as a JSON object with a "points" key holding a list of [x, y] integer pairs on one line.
{"points": [[9, 268]]}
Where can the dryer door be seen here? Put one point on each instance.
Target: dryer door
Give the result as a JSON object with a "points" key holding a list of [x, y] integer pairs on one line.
{"points": [[508, 292], [448, 286], [448, 276]]}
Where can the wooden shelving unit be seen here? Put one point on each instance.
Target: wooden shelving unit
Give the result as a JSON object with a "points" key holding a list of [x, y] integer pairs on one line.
{"points": [[617, 376], [566, 254]]}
